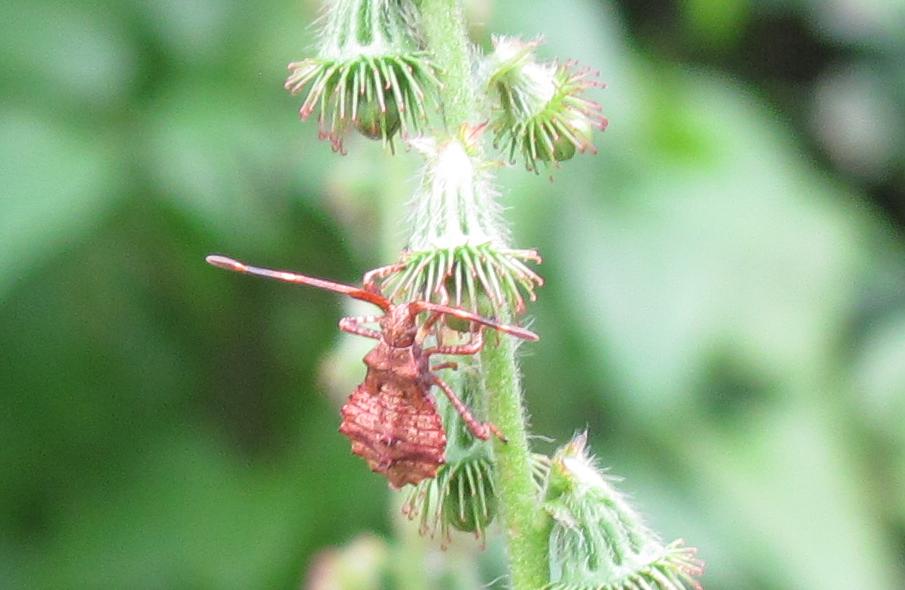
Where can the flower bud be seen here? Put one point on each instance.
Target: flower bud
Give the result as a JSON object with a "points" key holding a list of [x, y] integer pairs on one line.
{"points": [[470, 505], [378, 124], [371, 71], [598, 541], [540, 112], [458, 253], [462, 497]]}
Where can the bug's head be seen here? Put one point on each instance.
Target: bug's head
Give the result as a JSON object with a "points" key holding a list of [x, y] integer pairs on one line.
{"points": [[399, 326]]}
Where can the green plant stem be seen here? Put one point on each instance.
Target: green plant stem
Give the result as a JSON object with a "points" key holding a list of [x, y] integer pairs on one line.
{"points": [[524, 522], [444, 28]]}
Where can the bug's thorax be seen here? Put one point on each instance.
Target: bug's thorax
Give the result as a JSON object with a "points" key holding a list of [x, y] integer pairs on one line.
{"points": [[402, 368], [399, 327]]}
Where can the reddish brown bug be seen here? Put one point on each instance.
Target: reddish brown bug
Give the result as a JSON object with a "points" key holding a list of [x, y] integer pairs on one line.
{"points": [[391, 418]]}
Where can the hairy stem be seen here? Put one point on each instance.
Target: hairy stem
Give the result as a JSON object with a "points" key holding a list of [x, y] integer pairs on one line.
{"points": [[444, 28], [524, 521]]}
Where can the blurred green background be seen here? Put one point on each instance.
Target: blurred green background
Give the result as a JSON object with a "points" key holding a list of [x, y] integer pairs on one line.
{"points": [[724, 309]]}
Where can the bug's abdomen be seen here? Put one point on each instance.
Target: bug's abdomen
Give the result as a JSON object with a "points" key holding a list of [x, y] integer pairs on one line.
{"points": [[396, 430]]}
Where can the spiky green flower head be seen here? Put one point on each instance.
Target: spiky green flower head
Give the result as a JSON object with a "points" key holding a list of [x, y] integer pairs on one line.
{"points": [[371, 72], [459, 251], [540, 109], [463, 496], [598, 541]]}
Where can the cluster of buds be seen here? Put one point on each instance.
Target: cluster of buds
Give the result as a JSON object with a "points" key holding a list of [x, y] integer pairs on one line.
{"points": [[598, 541], [371, 72], [539, 108]]}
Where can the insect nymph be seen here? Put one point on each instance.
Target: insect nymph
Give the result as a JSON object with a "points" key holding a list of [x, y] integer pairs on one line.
{"points": [[391, 418]]}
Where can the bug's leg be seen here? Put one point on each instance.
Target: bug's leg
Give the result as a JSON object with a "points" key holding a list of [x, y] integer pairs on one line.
{"points": [[518, 332], [473, 347], [450, 365], [444, 294], [434, 317], [428, 325], [481, 430], [353, 325], [372, 277]]}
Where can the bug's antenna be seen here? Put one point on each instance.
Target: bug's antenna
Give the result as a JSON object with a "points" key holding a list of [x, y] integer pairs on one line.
{"points": [[419, 306], [291, 277]]}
